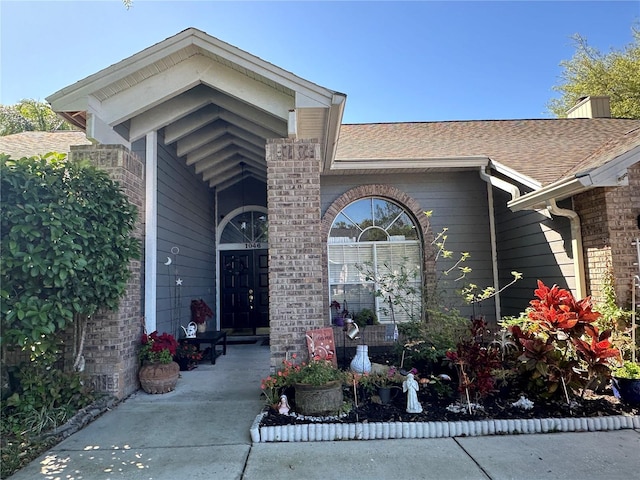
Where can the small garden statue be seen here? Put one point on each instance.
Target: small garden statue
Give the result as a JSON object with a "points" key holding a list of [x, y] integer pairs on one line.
{"points": [[410, 387], [283, 405]]}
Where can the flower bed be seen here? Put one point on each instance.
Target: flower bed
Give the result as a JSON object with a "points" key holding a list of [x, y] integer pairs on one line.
{"points": [[372, 420]]}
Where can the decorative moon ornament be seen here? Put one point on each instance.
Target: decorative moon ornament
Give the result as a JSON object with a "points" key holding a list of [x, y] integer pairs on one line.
{"points": [[168, 262]]}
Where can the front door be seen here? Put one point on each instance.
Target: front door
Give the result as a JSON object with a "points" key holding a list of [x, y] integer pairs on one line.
{"points": [[244, 289]]}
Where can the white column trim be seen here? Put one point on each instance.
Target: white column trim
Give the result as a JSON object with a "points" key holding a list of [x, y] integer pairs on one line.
{"points": [[151, 231]]}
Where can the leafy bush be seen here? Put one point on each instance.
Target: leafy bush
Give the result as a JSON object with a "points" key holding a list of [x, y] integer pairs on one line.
{"points": [[45, 398], [475, 361], [560, 344], [66, 231]]}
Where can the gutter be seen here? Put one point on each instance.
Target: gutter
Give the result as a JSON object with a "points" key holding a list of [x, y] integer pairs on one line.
{"points": [[546, 199], [555, 191], [576, 244], [515, 193], [408, 163]]}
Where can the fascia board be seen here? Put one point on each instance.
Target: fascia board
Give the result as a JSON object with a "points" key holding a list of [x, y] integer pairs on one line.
{"points": [[515, 175], [410, 163], [607, 175], [66, 99], [611, 173], [332, 132], [263, 68], [119, 70], [557, 190]]}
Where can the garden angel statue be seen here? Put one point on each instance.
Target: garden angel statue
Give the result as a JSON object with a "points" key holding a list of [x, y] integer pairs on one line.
{"points": [[410, 387]]}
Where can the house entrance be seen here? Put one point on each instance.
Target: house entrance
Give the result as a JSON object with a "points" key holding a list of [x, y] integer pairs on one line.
{"points": [[244, 290], [244, 272]]}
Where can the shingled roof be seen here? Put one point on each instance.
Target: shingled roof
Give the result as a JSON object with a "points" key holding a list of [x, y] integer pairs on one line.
{"points": [[28, 144], [543, 150]]}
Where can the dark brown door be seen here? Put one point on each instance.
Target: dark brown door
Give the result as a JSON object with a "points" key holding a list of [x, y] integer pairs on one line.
{"points": [[244, 289]]}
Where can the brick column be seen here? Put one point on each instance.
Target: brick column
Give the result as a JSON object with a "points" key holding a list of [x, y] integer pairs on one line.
{"points": [[113, 337], [295, 245], [609, 226]]}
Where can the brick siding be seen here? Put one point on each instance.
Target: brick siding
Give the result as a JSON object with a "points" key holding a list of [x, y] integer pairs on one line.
{"points": [[609, 218], [113, 337], [296, 302]]}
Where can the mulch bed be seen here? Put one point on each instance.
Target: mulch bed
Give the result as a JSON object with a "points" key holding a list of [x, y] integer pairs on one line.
{"points": [[499, 406], [435, 410]]}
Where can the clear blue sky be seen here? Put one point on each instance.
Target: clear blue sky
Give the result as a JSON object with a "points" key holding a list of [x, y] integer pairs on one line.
{"points": [[396, 61]]}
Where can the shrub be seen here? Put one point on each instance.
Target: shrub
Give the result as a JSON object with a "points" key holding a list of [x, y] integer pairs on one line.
{"points": [[66, 242], [560, 344]]}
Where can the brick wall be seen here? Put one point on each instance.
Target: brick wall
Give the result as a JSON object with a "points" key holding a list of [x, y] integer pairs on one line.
{"points": [[609, 226], [113, 337], [296, 302]]}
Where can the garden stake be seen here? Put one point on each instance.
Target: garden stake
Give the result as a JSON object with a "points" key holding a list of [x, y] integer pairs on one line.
{"points": [[566, 394]]}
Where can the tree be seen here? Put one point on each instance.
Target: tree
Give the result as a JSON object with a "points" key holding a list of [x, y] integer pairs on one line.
{"points": [[590, 72], [66, 242], [30, 115]]}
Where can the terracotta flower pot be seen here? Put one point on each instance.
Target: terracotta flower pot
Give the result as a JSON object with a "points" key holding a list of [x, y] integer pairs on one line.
{"points": [[159, 377]]}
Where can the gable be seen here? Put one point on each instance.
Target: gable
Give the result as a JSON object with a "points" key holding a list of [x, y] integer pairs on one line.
{"points": [[215, 102]]}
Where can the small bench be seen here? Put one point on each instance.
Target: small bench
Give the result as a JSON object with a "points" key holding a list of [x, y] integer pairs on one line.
{"points": [[212, 338]]}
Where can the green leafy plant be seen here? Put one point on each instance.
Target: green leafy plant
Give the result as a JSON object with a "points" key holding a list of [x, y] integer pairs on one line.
{"points": [[273, 385], [613, 317], [389, 378], [66, 242], [45, 398], [630, 370], [365, 317], [315, 372]]}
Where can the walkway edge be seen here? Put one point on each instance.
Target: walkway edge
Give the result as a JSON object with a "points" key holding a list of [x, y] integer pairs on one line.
{"points": [[320, 432]]}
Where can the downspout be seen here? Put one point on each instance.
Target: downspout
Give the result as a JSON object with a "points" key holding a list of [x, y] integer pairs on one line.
{"points": [[576, 244], [515, 193]]}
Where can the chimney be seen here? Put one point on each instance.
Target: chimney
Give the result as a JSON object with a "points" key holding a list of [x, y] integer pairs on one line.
{"points": [[590, 107]]}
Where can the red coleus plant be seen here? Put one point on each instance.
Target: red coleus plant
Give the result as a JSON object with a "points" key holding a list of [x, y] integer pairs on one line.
{"points": [[556, 309], [561, 339]]}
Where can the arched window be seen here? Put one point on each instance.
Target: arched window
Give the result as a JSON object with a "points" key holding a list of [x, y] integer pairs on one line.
{"points": [[246, 230], [373, 249]]}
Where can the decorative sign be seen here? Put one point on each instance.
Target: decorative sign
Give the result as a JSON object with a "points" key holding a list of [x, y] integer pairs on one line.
{"points": [[321, 345]]}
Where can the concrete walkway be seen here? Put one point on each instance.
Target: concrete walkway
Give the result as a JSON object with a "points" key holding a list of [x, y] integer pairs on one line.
{"points": [[201, 431]]}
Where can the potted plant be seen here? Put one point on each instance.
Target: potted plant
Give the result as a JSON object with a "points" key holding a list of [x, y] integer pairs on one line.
{"points": [[625, 381], [200, 311], [336, 316], [365, 317], [318, 387], [381, 383], [187, 356], [159, 373]]}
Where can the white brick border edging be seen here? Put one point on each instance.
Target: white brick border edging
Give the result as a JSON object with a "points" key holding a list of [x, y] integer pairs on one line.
{"points": [[320, 432]]}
